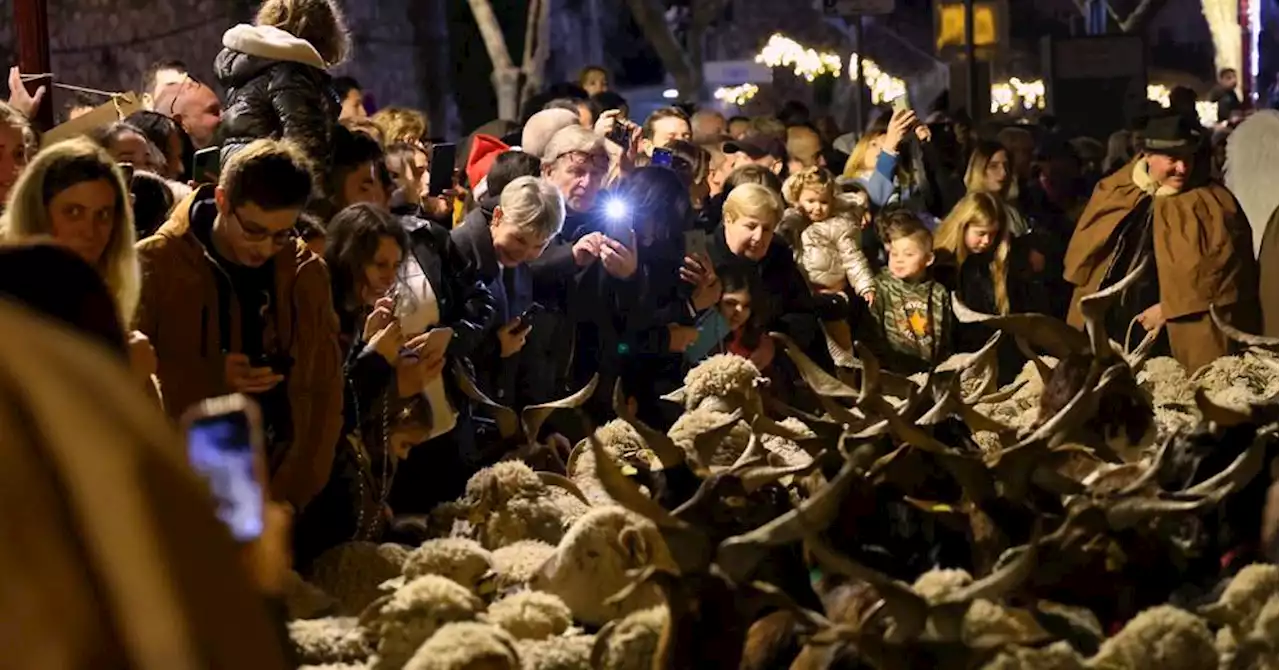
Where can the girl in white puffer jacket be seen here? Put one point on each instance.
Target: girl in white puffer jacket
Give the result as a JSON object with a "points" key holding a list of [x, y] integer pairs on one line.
{"points": [[825, 236]]}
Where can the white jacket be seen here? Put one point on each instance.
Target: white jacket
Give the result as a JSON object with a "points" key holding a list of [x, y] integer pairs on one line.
{"points": [[831, 255]]}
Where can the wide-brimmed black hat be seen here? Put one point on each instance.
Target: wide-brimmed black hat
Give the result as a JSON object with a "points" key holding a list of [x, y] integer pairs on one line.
{"points": [[1172, 134]]}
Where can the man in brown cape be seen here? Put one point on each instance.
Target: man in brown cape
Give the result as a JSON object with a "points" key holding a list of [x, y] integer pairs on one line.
{"points": [[1164, 207]]}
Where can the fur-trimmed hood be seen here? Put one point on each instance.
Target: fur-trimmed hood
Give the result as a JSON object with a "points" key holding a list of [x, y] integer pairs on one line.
{"points": [[252, 49]]}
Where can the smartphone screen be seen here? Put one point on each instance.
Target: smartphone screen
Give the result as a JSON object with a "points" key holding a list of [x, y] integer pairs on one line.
{"points": [[695, 242], [206, 165], [221, 450], [443, 156], [526, 317], [901, 104], [661, 158]]}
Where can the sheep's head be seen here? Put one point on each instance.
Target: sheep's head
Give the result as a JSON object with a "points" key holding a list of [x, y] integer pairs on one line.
{"points": [[402, 621], [592, 561], [1160, 637], [723, 382], [460, 559], [467, 646]]}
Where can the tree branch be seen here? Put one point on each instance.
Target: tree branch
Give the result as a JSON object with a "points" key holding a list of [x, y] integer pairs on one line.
{"points": [[649, 14], [491, 32], [1142, 15]]}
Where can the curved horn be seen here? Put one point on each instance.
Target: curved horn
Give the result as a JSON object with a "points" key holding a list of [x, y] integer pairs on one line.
{"points": [[1124, 514], [1042, 368], [534, 416], [908, 610], [1236, 335], [553, 479], [1003, 394], [1001, 582], [668, 453], [739, 555], [507, 420], [1242, 470], [1045, 332], [706, 442], [1093, 308], [626, 492], [1223, 416], [822, 383]]}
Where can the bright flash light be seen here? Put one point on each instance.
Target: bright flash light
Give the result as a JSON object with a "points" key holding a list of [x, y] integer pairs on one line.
{"points": [[737, 95], [616, 209], [671, 94], [1158, 93]]}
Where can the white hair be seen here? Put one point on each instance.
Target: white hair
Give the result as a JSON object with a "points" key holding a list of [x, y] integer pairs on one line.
{"points": [[534, 205], [574, 139]]}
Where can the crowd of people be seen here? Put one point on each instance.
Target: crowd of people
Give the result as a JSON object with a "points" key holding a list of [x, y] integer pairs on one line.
{"points": [[319, 270]]}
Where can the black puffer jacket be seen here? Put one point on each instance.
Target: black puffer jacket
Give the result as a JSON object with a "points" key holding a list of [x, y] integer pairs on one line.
{"points": [[276, 87]]}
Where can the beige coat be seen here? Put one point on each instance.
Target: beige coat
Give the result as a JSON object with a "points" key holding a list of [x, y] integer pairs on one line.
{"points": [[112, 556], [1203, 256], [831, 256]]}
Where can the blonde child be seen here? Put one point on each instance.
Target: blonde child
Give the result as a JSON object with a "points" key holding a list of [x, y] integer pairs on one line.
{"points": [[828, 249], [910, 320], [973, 247]]}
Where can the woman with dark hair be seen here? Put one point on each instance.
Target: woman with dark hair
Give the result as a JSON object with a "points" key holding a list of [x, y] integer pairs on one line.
{"points": [[174, 143], [642, 326], [54, 281], [365, 246], [127, 144], [153, 200]]}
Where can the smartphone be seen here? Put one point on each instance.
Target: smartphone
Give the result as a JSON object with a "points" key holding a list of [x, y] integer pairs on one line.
{"points": [[280, 363], [206, 165], [661, 158], [127, 169], [526, 317], [224, 445], [621, 134], [901, 103], [695, 243], [437, 340], [442, 159]]}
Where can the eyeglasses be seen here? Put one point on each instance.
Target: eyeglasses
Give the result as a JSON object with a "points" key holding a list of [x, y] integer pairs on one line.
{"points": [[257, 234]]}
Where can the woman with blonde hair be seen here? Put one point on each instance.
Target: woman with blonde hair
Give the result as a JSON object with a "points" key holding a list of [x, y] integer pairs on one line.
{"points": [[875, 163], [989, 171], [972, 248], [401, 124], [277, 80], [74, 193], [17, 144]]}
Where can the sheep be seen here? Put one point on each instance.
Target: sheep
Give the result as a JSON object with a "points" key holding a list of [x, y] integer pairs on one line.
{"points": [[352, 573], [332, 640], [335, 666], [460, 559], [1057, 656], [592, 562], [937, 584], [566, 652], [1244, 597], [517, 563], [630, 643], [530, 615], [723, 382], [701, 420], [621, 441], [1160, 637], [402, 621], [467, 646], [509, 503]]}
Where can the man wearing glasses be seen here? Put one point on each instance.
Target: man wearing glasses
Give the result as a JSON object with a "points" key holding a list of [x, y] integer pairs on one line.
{"points": [[233, 303]]}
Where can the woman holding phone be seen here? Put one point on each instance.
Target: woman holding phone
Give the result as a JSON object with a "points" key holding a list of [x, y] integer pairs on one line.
{"points": [[441, 305], [384, 412]]}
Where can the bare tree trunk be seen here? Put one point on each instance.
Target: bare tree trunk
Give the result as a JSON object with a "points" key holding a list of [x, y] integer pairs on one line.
{"points": [[537, 47], [506, 77], [688, 75], [1137, 20]]}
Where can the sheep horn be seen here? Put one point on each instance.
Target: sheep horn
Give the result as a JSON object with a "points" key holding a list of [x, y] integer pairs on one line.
{"points": [[1236, 335], [667, 451], [626, 492], [1137, 358], [534, 416], [1042, 368], [1242, 470], [1093, 309], [677, 396], [775, 596], [1223, 416], [1070, 415], [739, 555], [1125, 514], [753, 454], [872, 384], [1003, 394], [507, 420], [1149, 476], [1002, 581], [822, 383], [1045, 332], [962, 362], [754, 477], [553, 479], [600, 648], [908, 610]]}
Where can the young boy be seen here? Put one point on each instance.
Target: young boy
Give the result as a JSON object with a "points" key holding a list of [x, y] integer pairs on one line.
{"points": [[910, 322]]}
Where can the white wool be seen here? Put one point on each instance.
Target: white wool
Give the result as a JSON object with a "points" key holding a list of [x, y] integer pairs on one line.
{"points": [[591, 564], [566, 652], [631, 645], [530, 615], [460, 559], [518, 562], [1251, 171], [695, 422], [332, 640], [725, 376], [414, 613], [466, 645], [351, 573], [1162, 637]]}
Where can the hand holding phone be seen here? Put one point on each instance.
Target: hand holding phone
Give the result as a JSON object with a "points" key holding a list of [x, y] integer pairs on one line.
{"points": [[244, 376], [205, 165], [661, 158], [430, 345], [695, 243], [225, 447], [443, 157], [526, 317]]}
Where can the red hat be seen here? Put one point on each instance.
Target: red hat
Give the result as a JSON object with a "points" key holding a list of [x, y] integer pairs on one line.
{"points": [[484, 150]]}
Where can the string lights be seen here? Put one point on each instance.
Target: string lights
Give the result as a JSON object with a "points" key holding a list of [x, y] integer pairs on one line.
{"points": [[782, 51], [1206, 110], [736, 95]]}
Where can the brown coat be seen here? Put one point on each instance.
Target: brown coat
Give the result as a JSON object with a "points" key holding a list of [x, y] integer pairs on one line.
{"points": [[1203, 256], [179, 312], [112, 556]]}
